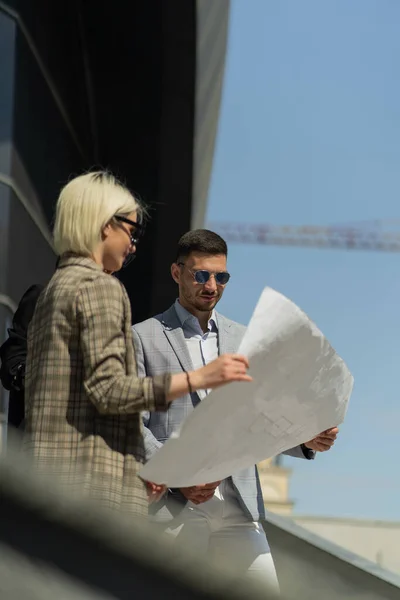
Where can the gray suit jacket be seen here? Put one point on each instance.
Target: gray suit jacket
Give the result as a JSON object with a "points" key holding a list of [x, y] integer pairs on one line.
{"points": [[160, 347]]}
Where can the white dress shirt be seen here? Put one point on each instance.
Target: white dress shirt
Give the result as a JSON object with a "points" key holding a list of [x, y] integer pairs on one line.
{"points": [[203, 348], [219, 528]]}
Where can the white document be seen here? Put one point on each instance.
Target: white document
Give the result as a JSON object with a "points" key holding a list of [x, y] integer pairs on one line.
{"points": [[300, 388]]}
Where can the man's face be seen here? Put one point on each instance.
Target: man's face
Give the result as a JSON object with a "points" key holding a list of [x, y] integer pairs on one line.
{"points": [[202, 297]]}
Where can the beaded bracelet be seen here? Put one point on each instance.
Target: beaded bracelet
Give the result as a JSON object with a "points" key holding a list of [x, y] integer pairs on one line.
{"points": [[189, 384]]}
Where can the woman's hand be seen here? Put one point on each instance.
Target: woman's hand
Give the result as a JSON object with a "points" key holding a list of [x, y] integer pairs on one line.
{"points": [[226, 368], [155, 491]]}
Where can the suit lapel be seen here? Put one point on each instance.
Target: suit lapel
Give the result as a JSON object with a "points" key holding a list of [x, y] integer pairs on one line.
{"points": [[226, 343], [173, 331], [174, 334]]}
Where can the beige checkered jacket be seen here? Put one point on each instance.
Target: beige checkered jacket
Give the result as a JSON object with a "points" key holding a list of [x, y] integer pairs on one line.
{"points": [[83, 396]]}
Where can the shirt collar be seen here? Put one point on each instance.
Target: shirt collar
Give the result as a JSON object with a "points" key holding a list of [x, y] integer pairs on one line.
{"points": [[185, 316]]}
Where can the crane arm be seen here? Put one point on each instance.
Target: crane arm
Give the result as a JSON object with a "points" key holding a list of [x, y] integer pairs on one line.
{"points": [[342, 237]]}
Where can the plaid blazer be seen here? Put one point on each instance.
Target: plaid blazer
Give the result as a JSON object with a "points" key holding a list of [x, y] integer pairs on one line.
{"points": [[160, 346], [83, 396]]}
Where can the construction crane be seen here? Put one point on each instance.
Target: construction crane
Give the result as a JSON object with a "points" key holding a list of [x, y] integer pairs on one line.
{"points": [[370, 235]]}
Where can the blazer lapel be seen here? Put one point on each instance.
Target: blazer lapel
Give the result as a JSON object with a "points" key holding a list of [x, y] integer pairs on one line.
{"points": [[226, 343], [174, 333]]}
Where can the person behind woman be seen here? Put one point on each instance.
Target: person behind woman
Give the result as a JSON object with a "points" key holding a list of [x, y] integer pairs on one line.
{"points": [[82, 393]]}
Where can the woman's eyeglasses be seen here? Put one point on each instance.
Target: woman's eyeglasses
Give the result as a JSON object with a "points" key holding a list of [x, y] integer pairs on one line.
{"points": [[134, 235], [201, 276]]}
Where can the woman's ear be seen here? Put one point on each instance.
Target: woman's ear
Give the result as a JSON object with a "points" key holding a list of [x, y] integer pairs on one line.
{"points": [[106, 231]]}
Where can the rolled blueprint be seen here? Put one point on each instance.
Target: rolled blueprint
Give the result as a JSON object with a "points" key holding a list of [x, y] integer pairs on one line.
{"points": [[300, 388]]}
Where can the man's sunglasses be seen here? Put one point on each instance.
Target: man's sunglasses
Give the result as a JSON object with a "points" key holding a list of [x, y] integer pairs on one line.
{"points": [[202, 276]]}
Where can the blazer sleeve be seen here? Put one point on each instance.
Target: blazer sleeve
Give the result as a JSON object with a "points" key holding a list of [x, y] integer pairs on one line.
{"points": [[151, 443], [101, 316], [300, 452]]}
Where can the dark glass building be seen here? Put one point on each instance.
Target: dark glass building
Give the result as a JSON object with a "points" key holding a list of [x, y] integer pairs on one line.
{"points": [[133, 86]]}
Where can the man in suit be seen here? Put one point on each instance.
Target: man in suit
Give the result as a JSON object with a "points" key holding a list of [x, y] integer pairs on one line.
{"points": [[220, 518], [13, 355]]}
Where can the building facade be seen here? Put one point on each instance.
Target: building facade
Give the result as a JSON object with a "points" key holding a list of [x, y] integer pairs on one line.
{"points": [[375, 540], [134, 87]]}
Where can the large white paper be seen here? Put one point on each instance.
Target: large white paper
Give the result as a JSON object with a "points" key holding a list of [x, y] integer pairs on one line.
{"points": [[300, 388]]}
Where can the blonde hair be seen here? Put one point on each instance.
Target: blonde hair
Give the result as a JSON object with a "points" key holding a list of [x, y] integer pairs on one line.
{"points": [[85, 206]]}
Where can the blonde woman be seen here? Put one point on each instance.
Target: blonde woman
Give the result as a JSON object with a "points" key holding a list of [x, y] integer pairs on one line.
{"points": [[83, 395]]}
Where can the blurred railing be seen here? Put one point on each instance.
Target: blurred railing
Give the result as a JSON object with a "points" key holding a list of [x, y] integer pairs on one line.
{"points": [[310, 566], [54, 547]]}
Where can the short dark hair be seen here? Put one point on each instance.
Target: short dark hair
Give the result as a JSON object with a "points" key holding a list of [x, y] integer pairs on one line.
{"points": [[200, 240]]}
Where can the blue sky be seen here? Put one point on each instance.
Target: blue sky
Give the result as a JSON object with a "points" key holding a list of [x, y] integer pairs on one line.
{"points": [[310, 134]]}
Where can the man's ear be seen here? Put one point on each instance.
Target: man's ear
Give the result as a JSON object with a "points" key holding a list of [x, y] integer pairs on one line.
{"points": [[175, 272]]}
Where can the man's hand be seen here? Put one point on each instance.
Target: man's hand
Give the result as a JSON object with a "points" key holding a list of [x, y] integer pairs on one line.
{"points": [[324, 441], [200, 493], [154, 491]]}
